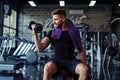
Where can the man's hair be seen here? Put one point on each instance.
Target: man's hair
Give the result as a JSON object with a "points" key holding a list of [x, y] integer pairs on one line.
{"points": [[59, 12]]}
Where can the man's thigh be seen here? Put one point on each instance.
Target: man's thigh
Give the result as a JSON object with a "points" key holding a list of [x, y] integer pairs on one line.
{"points": [[72, 64]]}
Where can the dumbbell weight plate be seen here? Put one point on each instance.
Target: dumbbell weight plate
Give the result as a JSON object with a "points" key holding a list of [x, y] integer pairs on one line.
{"points": [[38, 27], [30, 27], [31, 57]]}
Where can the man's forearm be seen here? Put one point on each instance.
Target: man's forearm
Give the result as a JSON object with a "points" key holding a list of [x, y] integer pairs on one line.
{"points": [[83, 57], [36, 40]]}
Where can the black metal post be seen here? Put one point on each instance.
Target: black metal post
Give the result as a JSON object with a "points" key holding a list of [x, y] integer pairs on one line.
{"points": [[1, 18]]}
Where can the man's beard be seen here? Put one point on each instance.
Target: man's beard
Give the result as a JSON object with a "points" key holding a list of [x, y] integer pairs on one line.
{"points": [[60, 25]]}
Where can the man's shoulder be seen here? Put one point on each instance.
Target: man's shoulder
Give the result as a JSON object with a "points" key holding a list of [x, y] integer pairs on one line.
{"points": [[50, 31]]}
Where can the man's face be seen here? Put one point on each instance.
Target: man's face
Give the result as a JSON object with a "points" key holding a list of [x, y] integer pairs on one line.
{"points": [[58, 20]]}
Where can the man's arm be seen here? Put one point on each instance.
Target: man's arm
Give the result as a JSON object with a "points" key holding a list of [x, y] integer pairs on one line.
{"points": [[82, 55], [40, 45]]}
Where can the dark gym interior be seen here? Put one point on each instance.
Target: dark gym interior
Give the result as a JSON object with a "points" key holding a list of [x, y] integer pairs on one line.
{"points": [[99, 27]]}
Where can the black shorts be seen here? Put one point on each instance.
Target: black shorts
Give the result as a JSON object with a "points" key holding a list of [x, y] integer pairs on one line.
{"points": [[66, 64]]}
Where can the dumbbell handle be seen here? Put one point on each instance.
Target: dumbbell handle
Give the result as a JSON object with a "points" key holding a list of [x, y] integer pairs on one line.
{"points": [[38, 27]]}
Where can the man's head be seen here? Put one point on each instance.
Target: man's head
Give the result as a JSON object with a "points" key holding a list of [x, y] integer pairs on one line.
{"points": [[59, 17]]}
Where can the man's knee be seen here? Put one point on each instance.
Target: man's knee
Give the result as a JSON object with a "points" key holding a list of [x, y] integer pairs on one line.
{"points": [[85, 69], [50, 68], [82, 69]]}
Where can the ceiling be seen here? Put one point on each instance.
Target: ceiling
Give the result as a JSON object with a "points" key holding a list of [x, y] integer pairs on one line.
{"points": [[51, 2]]}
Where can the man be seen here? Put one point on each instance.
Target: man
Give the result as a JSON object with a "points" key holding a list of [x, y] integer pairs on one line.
{"points": [[64, 38]]}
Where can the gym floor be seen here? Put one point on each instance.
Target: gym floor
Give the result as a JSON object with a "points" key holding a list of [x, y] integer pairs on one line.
{"points": [[35, 72]]}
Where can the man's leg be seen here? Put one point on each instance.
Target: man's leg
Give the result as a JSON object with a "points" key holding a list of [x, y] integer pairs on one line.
{"points": [[82, 71], [49, 69]]}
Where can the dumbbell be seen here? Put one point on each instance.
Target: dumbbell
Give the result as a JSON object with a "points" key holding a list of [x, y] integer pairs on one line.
{"points": [[31, 57], [38, 27]]}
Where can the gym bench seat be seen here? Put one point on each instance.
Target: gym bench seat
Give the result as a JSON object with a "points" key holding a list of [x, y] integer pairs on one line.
{"points": [[64, 75]]}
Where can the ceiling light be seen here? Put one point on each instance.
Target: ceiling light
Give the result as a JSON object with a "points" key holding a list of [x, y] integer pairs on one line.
{"points": [[62, 3], [32, 3], [92, 3], [118, 4]]}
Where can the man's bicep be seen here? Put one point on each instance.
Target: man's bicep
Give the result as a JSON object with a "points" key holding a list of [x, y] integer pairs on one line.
{"points": [[45, 42]]}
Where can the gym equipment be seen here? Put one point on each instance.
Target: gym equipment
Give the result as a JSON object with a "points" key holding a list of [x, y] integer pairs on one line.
{"points": [[31, 57], [8, 65], [110, 53], [77, 20], [48, 23], [38, 27], [114, 20], [26, 51], [3, 47], [95, 52], [91, 55], [11, 76], [63, 75], [111, 50], [30, 72], [83, 28]]}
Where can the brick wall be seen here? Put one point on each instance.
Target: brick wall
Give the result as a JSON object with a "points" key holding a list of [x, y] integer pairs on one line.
{"points": [[98, 18]]}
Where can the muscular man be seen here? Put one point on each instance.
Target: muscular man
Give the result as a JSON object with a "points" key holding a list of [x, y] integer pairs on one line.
{"points": [[65, 38]]}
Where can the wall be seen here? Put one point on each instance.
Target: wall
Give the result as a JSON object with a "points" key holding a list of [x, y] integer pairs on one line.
{"points": [[97, 17]]}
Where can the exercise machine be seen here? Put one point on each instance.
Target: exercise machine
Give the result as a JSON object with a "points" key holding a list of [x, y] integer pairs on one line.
{"points": [[8, 65]]}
